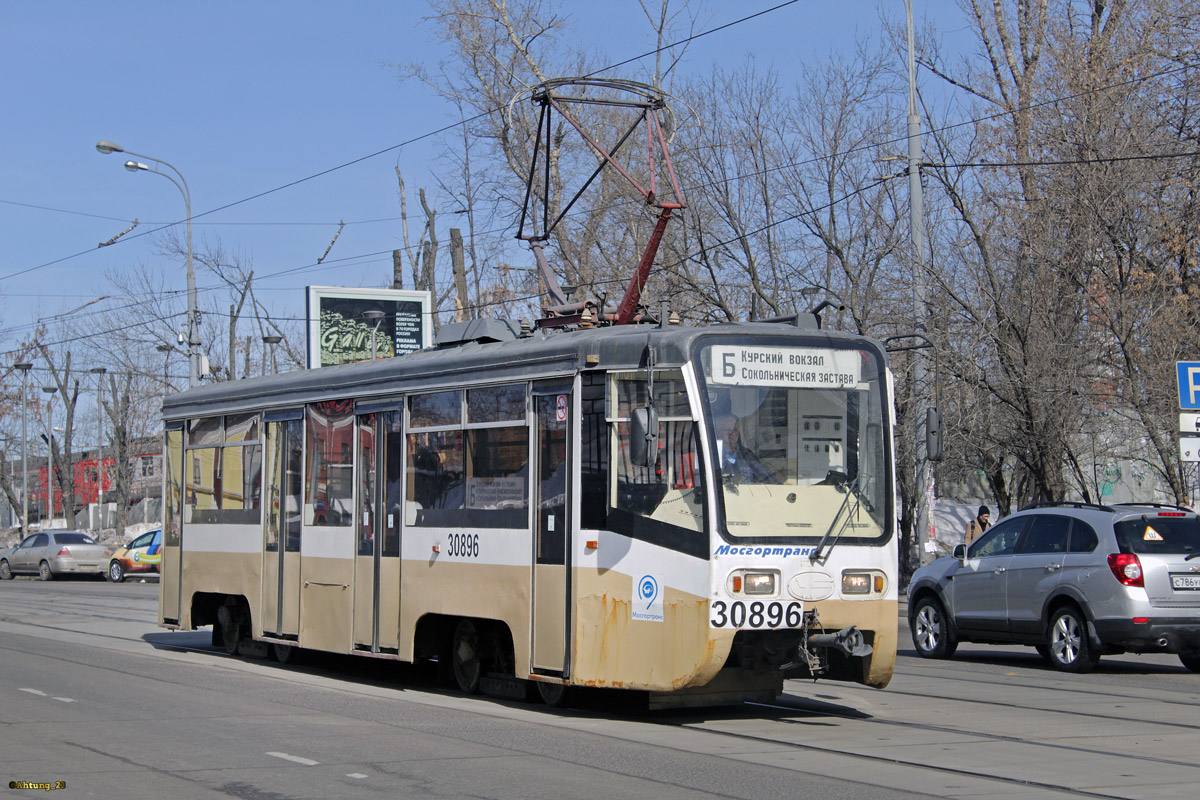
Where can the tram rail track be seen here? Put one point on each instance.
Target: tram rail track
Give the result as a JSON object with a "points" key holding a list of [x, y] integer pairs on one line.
{"points": [[935, 768], [775, 726]]}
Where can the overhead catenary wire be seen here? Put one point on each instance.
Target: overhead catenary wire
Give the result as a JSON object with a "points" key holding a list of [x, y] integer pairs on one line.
{"points": [[667, 46], [392, 148], [525, 298]]}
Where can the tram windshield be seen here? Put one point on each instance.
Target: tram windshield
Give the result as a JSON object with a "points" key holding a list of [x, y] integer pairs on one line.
{"points": [[799, 437]]}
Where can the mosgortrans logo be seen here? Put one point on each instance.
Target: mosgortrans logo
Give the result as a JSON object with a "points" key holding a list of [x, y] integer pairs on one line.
{"points": [[763, 551]]}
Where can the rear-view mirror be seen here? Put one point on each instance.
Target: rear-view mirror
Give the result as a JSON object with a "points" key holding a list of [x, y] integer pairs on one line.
{"points": [[643, 436]]}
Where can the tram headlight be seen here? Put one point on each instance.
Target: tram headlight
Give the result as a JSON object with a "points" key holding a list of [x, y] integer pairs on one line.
{"points": [[759, 582], [869, 582], [856, 583]]}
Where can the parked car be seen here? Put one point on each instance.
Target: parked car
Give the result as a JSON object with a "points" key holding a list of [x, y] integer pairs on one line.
{"points": [[53, 553], [142, 555], [1074, 580]]}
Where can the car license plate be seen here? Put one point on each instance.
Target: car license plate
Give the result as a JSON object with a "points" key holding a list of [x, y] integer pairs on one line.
{"points": [[1185, 581]]}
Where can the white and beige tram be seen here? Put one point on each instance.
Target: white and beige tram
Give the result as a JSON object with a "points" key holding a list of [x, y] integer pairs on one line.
{"points": [[551, 508]]}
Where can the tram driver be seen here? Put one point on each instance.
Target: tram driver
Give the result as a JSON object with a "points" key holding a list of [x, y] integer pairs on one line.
{"points": [[736, 459]]}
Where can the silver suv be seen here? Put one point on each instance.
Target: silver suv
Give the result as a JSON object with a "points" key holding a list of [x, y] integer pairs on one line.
{"points": [[1074, 580]]}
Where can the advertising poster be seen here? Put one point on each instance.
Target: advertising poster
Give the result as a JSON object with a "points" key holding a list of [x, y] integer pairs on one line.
{"points": [[340, 325]]}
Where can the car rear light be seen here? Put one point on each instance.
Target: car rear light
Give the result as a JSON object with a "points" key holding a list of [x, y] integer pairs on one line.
{"points": [[1141, 620], [64, 552], [1171, 514], [1127, 568]]}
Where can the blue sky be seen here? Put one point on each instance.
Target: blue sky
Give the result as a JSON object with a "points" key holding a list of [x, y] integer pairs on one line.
{"points": [[244, 97]]}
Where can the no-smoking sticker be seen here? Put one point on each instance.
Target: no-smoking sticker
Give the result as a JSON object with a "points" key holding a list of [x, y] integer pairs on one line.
{"points": [[560, 408]]}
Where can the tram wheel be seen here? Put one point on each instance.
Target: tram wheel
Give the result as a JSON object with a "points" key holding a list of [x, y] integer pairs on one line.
{"points": [[284, 653], [231, 629], [555, 695], [464, 657]]}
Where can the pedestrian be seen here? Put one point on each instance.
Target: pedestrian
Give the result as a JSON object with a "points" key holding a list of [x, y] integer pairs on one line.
{"points": [[977, 526]]}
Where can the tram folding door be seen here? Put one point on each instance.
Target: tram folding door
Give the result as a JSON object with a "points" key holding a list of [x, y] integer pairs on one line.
{"points": [[377, 551], [170, 582], [281, 528], [551, 582]]}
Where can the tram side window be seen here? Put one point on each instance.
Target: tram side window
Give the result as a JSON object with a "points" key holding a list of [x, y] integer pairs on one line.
{"points": [[667, 499], [201, 496], [173, 508], [223, 469], [469, 470], [593, 437], [329, 470], [241, 484]]}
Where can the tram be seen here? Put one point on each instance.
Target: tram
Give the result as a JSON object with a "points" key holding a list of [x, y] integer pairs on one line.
{"points": [[697, 513]]}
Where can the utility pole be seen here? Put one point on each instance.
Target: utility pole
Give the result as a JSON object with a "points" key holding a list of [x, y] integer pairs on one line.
{"points": [[397, 270], [460, 275], [916, 220], [24, 368], [99, 373]]}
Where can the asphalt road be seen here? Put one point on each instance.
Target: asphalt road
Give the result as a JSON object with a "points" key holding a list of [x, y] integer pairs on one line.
{"points": [[93, 694]]}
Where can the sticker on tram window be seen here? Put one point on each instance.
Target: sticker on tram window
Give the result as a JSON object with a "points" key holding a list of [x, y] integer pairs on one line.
{"points": [[464, 545], [756, 614]]}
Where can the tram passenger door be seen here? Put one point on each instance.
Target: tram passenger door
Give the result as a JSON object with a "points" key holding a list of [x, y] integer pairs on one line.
{"points": [[170, 583], [551, 583], [377, 560], [281, 528]]}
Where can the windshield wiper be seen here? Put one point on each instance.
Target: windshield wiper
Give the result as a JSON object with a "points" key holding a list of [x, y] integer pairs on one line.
{"points": [[851, 490]]}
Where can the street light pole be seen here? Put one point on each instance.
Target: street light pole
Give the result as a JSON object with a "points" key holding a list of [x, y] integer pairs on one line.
{"points": [[24, 367], [50, 390], [193, 342], [165, 349], [916, 219], [99, 373], [271, 339]]}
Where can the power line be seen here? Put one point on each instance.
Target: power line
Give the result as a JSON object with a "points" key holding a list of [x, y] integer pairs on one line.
{"points": [[973, 121], [385, 150], [1065, 161]]}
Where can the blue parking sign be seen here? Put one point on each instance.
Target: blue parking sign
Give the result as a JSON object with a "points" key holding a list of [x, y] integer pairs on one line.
{"points": [[1189, 383]]}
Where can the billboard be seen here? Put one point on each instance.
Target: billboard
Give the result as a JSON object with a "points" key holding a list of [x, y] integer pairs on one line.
{"points": [[339, 331]]}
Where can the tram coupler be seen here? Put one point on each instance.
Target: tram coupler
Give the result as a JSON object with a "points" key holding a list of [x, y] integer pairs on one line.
{"points": [[849, 640]]}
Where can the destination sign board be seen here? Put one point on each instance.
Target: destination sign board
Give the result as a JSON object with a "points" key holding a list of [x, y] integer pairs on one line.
{"points": [[805, 367]]}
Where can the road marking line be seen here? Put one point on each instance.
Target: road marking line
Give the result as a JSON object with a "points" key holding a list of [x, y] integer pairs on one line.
{"points": [[298, 759], [64, 699], [355, 775], [38, 692]]}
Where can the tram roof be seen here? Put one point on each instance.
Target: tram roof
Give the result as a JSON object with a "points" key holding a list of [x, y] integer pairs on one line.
{"points": [[540, 355]]}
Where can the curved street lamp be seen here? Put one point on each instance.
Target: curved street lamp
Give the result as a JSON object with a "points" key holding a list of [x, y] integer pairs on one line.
{"points": [[271, 339], [376, 317], [105, 147]]}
